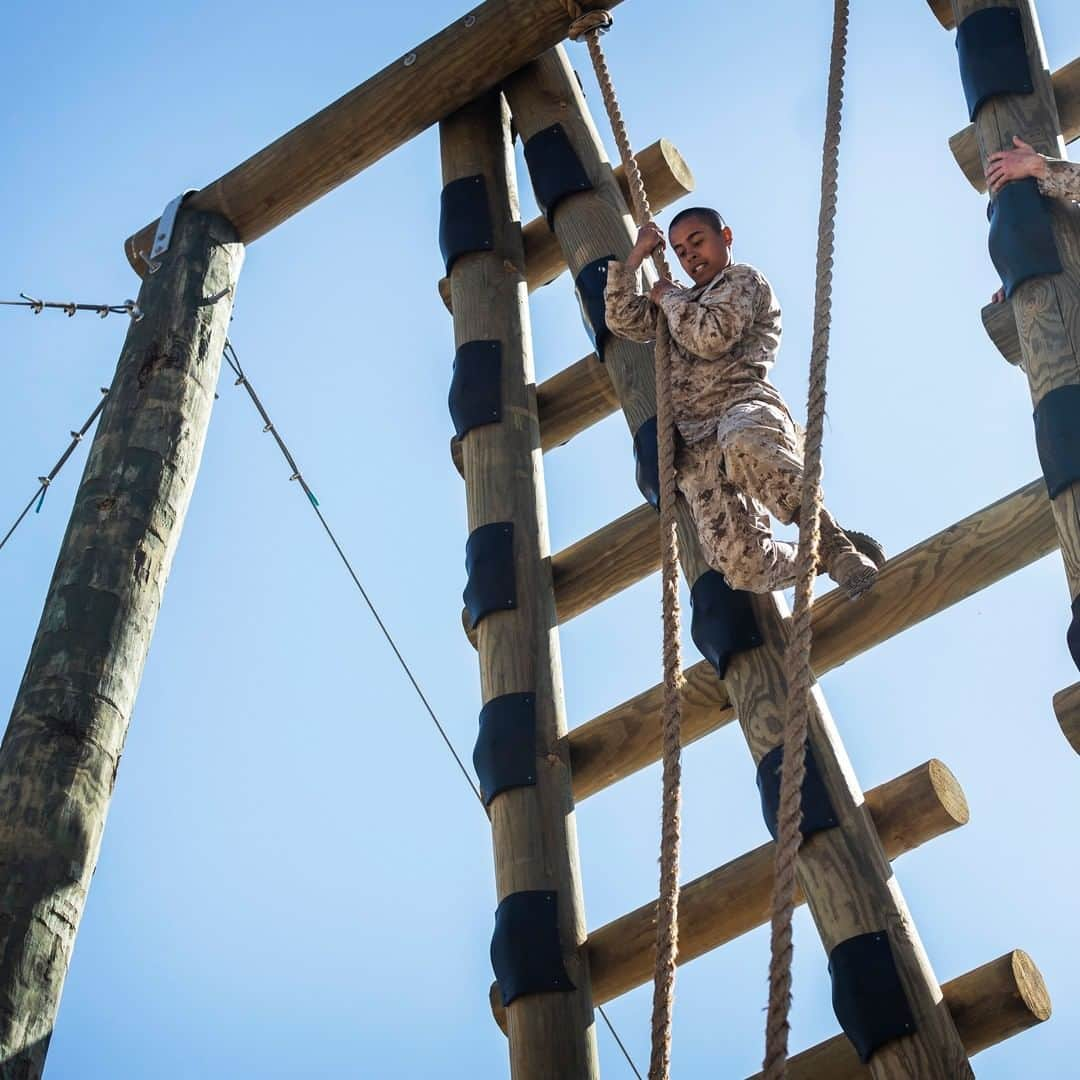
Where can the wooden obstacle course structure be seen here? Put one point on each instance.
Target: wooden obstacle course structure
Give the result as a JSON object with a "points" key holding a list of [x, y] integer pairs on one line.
{"points": [[499, 69]]}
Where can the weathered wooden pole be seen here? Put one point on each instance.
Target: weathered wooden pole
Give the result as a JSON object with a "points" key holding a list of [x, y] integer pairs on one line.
{"points": [[1010, 92], [521, 755], [850, 889], [61, 750]]}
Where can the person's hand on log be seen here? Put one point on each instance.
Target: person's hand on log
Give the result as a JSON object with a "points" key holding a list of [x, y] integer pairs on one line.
{"points": [[1007, 165], [661, 289], [649, 239]]}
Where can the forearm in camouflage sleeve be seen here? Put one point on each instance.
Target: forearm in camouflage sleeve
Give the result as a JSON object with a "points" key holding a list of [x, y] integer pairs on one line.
{"points": [[628, 314], [711, 327], [1062, 180]]}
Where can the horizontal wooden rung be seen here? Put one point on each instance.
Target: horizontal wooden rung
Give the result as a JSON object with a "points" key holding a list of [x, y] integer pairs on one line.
{"points": [[667, 179], [1066, 82], [989, 1005], [999, 321], [733, 899], [1067, 710], [924, 580]]}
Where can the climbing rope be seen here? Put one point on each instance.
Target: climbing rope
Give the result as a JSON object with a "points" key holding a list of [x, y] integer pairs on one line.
{"points": [[590, 25], [797, 658], [69, 307], [45, 481]]}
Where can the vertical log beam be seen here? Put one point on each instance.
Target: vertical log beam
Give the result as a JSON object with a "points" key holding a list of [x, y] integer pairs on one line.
{"points": [[62, 747], [1047, 309], [533, 828], [843, 872]]}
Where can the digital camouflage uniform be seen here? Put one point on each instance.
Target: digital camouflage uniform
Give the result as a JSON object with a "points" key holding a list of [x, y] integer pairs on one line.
{"points": [[1062, 180], [741, 452]]}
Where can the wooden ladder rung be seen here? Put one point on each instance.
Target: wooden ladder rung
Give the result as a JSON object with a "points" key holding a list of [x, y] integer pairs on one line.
{"points": [[1067, 710], [927, 578], [733, 899], [989, 1005], [667, 178], [999, 322]]}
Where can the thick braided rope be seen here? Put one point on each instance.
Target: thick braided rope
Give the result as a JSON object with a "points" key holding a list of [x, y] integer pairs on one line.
{"points": [[798, 651], [590, 25]]}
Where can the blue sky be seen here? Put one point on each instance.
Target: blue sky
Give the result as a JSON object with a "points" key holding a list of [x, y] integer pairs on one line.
{"points": [[295, 880]]}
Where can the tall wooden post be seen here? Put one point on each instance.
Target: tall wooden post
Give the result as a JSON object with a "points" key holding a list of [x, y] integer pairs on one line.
{"points": [[533, 827], [1047, 308], [843, 870], [62, 747]]}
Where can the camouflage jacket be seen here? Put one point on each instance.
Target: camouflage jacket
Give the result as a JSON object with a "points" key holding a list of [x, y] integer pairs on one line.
{"points": [[1062, 180], [724, 335]]}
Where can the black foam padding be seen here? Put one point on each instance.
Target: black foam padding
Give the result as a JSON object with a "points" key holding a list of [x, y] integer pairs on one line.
{"points": [[1057, 437], [1072, 638], [555, 169], [465, 219], [817, 809], [1022, 241], [647, 462], [489, 563], [868, 997], [590, 284], [505, 753], [525, 950], [723, 620], [990, 48], [476, 387]]}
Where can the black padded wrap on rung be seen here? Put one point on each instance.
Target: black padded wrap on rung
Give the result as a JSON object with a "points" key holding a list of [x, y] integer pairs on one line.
{"points": [[554, 168], [647, 462], [525, 950], [817, 810], [868, 997], [476, 388], [723, 621], [1072, 638], [993, 60], [489, 563], [505, 753], [465, 219], [1057, 437], [1022, 241], [590, 284]]}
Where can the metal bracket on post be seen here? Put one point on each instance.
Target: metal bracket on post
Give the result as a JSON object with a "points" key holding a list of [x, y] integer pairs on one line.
{"points": [[163, 236]]}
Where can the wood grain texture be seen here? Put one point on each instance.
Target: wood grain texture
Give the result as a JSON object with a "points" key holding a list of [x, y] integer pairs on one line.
{"points": [[733, 899], [844, 872], [1047, 309], [463, 61], [943, 12], [1067, 710], [989, 1005], [61, 751], [569, 402], [922, 581], [1066, 84], [1000, 324], [533, 828], [667, 178]]}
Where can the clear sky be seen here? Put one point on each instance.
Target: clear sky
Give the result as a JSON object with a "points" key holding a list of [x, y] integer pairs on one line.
{"points": [[295, 880]]}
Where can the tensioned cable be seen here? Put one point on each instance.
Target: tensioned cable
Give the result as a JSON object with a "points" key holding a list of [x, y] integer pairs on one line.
{"points": [[242, 380], [69, 307]]}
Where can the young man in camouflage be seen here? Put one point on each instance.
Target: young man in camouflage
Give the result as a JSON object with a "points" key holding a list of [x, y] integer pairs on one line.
{"points": [[741, 452]]}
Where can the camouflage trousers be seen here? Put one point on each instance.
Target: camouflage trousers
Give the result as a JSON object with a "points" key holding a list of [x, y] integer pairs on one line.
{"points": [[753, 465]]}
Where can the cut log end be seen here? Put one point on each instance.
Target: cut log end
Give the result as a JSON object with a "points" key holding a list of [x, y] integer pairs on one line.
{"points": [[1067, 710], [943, 11]]}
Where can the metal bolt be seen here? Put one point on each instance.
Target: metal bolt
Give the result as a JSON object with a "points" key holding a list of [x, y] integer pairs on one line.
{"points": [[410, 59], [470, 20]]}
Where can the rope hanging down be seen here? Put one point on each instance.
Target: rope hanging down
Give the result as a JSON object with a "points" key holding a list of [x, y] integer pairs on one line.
{"points": [[590, 25], [69, 307], [45, 481], [797, 659], [268, 427]]}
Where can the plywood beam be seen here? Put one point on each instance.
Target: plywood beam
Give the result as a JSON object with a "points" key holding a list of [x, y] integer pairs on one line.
{"points": [[922, 581], [472, 55], [989, 1005]]}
